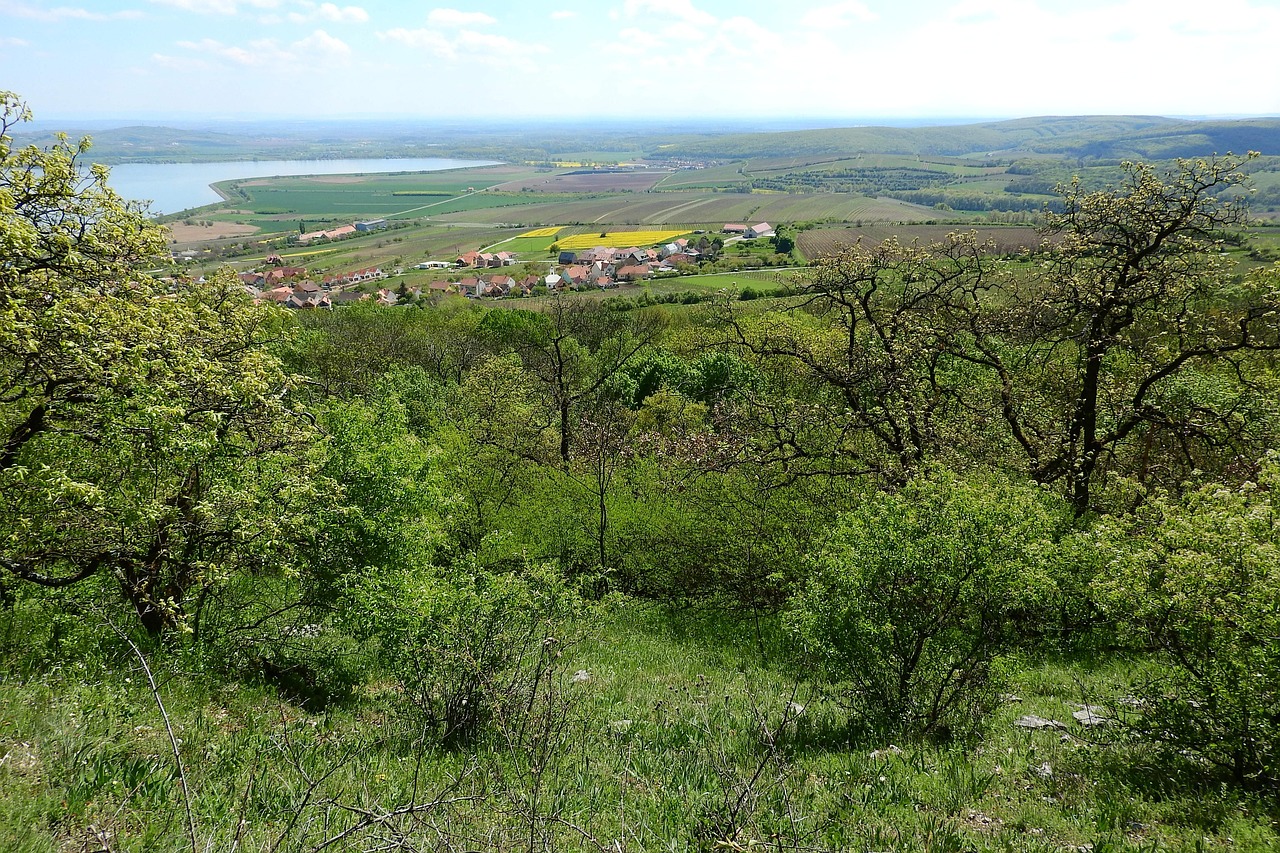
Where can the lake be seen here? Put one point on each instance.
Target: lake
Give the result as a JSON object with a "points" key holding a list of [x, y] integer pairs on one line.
{"points": [[172, 187]]}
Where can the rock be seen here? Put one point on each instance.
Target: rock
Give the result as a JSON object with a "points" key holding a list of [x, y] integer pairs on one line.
{"points": [[581, 676], [1044, 771], [1091, 715], [888, 751], [1031, 721]]}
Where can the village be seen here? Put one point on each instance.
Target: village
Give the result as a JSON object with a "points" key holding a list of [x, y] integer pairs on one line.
{"points": [[599, 268]]}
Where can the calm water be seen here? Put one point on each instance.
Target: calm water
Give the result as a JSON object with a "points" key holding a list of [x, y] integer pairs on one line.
{"points": [[177, 186]]}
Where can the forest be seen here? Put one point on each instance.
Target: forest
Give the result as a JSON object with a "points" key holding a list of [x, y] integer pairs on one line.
{"points": [[942, 549]]}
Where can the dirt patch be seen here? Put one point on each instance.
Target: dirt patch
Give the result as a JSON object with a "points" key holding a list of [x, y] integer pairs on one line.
{"points": [[335, 179], [180, 233]]}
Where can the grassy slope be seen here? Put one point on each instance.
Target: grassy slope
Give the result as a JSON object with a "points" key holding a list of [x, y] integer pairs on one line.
{"points": [[662, 748]]}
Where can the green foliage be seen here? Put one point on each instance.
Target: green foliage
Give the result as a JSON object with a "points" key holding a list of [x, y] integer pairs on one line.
{"points": [[396, 553], [392, 498], [731, 540], [493, 436], [466, 645], [1136, 294], [312, 665], [909, 607], [1199, 580], [347, 350], [148, 446]]}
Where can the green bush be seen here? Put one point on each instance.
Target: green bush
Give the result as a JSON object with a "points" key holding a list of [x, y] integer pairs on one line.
{"points": [[910, 607], [467, 645], [312, 665], [1199, 579]]}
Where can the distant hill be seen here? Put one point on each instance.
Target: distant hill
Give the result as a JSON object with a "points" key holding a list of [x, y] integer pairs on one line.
{"points": [[149, 144], [1082, 137], [1093, 138]]}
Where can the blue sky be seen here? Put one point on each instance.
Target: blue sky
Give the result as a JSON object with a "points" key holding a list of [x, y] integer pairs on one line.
{"points": [[687, 59]]}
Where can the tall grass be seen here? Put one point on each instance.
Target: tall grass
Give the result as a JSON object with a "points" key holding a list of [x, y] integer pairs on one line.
{"points": [[665, 730]]}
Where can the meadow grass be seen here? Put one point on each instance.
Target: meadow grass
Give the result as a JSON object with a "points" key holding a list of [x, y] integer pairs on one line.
{"points": [[684, 729]]}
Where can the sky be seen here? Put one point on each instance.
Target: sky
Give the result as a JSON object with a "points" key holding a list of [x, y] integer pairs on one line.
{"points": [[671, 59]]}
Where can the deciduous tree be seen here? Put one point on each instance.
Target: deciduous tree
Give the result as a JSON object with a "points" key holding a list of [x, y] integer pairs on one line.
{"points": [[1132, 293], [146, 441]]}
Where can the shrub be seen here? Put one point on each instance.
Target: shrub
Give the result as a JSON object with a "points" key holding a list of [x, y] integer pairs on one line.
{"points": [[1199, 579], [312, 665], [467, 645], [909, 607]]}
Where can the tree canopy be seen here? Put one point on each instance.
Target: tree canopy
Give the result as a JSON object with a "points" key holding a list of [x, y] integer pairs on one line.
{"points": [[146, 440]]}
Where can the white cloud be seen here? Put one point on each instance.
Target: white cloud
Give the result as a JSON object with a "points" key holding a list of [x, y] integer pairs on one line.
{"points": [[256, 54], [321, 43], [181, 63], [10, 41], [261, 53], [837, 15], [217, 7], [746, 37], [673, 10], [456, 18], [64, 13], [472, 40], [634, 41], [1036, 57], [477, 47], [429, 40], [563, 15], [329, 12]]}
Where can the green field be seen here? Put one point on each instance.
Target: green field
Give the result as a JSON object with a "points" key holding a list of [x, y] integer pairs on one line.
{"points": [[524, 245]]}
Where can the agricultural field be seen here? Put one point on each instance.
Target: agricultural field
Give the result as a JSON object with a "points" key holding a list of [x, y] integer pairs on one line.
{"points": [[399, 246], [1006, 239], [721, 176], [787, 189], [355, 195], [522, 245], [618, 239], [298, 201], [580, 181], [706, 209], [567, 203]]}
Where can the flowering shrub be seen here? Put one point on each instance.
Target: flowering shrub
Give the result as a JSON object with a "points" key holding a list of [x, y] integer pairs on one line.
{"points": [[1199, 579]]}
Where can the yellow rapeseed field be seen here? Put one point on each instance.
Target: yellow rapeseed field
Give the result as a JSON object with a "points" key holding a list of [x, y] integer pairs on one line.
{"points": [[618, 239], [544, 232]]}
